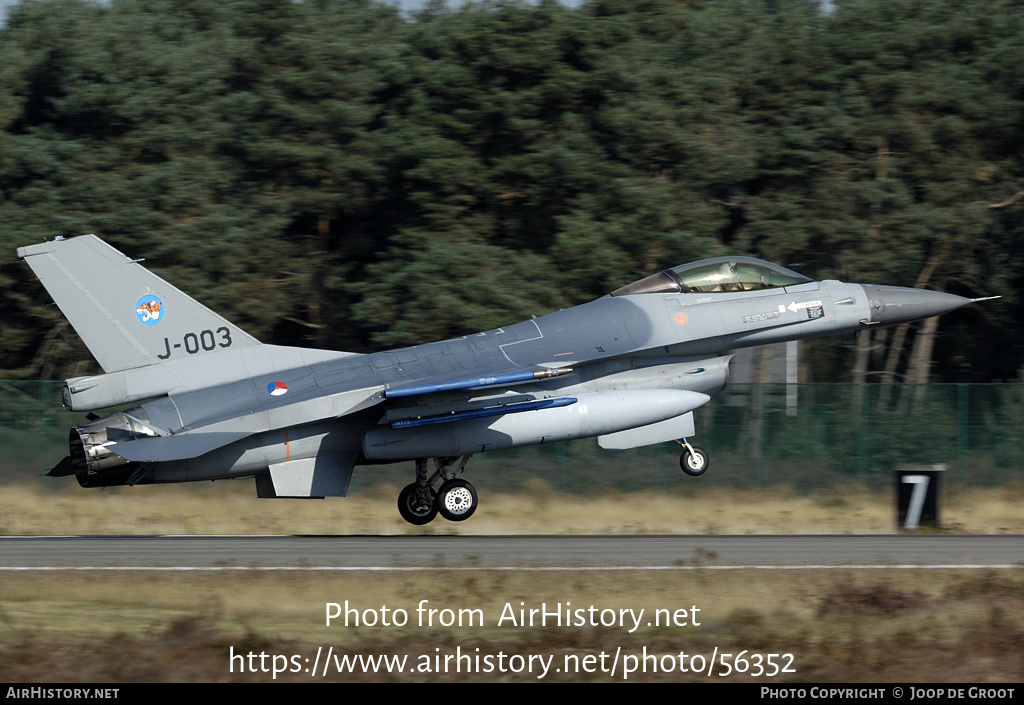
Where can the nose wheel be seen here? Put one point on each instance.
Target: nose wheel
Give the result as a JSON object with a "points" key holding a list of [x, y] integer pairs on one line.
{"points": [[694, 461]]}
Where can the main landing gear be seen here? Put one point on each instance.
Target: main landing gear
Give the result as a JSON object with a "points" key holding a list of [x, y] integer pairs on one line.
{"points": [[455, 499], [694, 461]]}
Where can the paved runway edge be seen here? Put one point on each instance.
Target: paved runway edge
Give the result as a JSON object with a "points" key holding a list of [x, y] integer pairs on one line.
{"points": [[662, 552]]}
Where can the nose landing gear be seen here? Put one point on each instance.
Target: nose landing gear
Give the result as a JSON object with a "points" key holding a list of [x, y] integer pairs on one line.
{"points": [[694, 461]]}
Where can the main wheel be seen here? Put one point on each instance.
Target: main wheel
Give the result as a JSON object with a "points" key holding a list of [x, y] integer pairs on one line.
{"points": [[416, 506], [456, 500], [694, 464]]}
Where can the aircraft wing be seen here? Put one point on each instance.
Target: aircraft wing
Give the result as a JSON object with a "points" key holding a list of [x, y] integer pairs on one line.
{"points": [[192, 443], [455, 384], [330, 406], [202, 437]]}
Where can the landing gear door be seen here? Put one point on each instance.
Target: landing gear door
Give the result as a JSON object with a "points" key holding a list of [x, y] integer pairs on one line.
{"points": [[661, 432]]}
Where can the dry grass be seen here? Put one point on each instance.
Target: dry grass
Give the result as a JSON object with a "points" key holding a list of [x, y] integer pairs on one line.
{"points": [[232, 508], [899, 626], [905, 626]]}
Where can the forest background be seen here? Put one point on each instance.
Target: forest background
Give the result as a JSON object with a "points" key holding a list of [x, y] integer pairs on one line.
{"points": [[337, 174]]}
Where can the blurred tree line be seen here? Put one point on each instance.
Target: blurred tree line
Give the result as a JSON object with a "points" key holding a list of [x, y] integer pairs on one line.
{"points": [[331, 173]]}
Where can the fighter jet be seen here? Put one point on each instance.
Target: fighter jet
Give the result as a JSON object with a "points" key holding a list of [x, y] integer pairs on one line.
{"points": [[629, 368]]}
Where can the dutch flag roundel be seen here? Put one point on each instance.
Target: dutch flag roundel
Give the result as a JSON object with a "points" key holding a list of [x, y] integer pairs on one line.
{"points": [[276, 389]]}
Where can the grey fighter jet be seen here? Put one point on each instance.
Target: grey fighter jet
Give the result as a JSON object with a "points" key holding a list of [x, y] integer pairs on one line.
{"points": [[628, 368]]}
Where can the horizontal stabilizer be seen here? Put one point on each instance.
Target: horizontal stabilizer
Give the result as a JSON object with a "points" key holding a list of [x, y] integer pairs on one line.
{"points": [[178, 447]]}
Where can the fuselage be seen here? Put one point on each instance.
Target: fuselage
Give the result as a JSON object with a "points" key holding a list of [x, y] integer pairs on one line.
{"points": [[629, 368], [642, 342], [642, 356]]}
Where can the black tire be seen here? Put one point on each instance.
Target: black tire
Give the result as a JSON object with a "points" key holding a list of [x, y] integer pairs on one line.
{"points": [[456, 500], [694, 465], [415, 508]]}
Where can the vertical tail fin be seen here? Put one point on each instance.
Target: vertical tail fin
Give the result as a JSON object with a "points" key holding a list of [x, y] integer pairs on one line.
{"points": [[127, 316]]}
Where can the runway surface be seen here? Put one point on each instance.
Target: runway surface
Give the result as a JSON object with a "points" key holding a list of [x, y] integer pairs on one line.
{"points": [[506, 552]]}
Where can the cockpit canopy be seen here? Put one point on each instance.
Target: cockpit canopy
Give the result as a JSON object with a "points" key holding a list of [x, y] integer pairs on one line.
{"points": [[719, 274]]}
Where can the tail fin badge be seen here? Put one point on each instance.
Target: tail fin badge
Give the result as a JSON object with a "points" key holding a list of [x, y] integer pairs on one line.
{"points": [[149, 310]]}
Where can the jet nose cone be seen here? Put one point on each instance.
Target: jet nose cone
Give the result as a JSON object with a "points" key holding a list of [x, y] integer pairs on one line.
{"points": [[895, 304]]}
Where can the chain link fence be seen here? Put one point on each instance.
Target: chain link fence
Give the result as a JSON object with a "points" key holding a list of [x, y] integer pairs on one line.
{"points": [[804, 437]]}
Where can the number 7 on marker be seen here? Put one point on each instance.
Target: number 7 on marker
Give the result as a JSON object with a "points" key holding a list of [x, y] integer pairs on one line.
{"points": [[917, 496]]}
